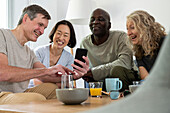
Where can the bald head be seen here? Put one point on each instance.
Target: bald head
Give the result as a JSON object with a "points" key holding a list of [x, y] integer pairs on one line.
{"points": [[105, 13]]}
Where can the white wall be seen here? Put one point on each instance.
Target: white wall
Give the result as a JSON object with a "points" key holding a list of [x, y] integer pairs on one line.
{"points": [[3, 13], [15, 9], [119, 9]]}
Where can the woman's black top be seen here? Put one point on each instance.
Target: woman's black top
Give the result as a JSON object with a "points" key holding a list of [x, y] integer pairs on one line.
{"points": [[148, 61]]}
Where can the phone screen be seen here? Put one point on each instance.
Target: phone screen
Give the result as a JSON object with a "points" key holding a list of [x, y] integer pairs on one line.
{"points": [[80, 52]]}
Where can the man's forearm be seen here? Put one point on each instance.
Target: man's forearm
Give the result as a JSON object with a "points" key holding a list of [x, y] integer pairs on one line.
{"points": [[17, 74], [54, 79]]}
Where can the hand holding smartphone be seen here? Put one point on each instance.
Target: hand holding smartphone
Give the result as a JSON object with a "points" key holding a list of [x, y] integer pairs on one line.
{"points": [[80, 52]]}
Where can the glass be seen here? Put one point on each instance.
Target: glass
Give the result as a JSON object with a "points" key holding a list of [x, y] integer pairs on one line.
{"points": [[135, 85], [136, 82], [67, 81], [95, 89]]}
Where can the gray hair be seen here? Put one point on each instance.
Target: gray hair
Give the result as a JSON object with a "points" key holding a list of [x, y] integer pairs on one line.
{"points": [[32, 12]]}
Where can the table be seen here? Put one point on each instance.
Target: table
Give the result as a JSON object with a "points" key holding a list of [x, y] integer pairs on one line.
{"points": [[55, 106]]}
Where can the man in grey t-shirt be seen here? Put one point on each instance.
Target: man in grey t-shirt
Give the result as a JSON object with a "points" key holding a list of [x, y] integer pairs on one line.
{"points": [[18, 64]]}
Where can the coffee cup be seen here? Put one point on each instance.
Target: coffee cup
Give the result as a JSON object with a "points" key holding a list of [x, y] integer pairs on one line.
{"points": [[113, 85]]}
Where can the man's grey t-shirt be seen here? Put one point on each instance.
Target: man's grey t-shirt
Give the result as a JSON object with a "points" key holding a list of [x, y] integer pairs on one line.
{"points": [[19, 56]]}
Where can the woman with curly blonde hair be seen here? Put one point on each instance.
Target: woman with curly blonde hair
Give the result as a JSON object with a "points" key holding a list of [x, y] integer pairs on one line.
{"points": [[146, 37]]}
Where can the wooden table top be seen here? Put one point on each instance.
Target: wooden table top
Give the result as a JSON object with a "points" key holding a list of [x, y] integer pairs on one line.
{"points": [[55, 106]]}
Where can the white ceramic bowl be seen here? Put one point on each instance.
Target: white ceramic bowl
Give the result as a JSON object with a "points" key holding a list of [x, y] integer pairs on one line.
{"points": [[72, 96]]}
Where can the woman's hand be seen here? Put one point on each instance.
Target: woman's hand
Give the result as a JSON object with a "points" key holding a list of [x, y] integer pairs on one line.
{"points": [[143, 72], [79, 72], [54, 73]]}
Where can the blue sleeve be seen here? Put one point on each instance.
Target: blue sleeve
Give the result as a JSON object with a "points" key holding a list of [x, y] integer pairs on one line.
{"points": [[66, 59], [70, 61]]}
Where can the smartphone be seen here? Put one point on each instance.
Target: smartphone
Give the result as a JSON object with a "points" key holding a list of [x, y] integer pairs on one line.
{"points": [[80, 52]]}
